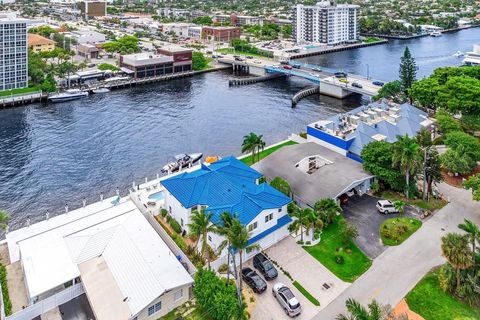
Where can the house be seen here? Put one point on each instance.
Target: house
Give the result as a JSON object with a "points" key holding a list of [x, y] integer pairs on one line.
{"points": [[88, 50], [229, 185], [107, 251], [348, 133], [38, 43]]}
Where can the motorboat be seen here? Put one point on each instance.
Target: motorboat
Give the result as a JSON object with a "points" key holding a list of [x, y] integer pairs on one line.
{"points": [[67, 95], [101, 90], [182, 161], [436, 34], [458, 54]]}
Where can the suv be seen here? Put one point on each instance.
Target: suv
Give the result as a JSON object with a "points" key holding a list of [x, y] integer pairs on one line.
{"points": [[286, 299], [378, 83], [386, 207], [357, 85], [260, 262], [340, 75], [252, 278]]}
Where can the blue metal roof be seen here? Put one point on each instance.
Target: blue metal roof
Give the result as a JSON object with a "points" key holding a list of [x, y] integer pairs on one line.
{"points": [[227, 185]]}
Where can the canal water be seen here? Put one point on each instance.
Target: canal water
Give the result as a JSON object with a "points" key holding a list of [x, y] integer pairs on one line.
{"points": [[57, 154]]}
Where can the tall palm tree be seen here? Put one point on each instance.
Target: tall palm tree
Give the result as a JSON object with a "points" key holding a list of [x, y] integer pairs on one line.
{"points": [[199, 227], [301, 221], [455, 249], [407, 155], [223, 229], [260, 145], [4, 217], [473, 233], [359, 312], [249, 144], [313, 221], [327, 210]]}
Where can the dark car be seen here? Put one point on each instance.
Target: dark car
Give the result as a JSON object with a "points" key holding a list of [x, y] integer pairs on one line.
{"points": [[249, 57], [260, 262], [378, 83], [357, 85], [252, 278], [340, 75], [296, 65]]}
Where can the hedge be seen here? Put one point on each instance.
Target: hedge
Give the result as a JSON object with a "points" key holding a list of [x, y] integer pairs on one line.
{"points": [[6, 296]]}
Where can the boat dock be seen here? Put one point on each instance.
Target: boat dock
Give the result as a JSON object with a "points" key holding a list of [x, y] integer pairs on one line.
{"points": [[20, 99]]}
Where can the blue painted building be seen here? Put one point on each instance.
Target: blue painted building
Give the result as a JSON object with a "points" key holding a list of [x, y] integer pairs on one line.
{"points": [[347, 133]]}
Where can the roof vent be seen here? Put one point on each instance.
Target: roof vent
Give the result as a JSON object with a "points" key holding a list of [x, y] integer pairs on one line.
{"points": [[228, 190]]}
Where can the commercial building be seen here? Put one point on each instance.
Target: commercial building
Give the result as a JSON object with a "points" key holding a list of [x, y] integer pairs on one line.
{"points": [[38, 43], [180, 29], [347, 133], [13, 52], [92, 8], [182, 57], [224, 34], [326, 22], [87, 36], [236, 20], [195, 32], [229, 185], [88, 50], [107, 251]]}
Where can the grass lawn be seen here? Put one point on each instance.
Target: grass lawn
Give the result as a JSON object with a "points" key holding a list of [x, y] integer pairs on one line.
{"points": [[196, 314], [355, 261], [306, 293], [248, 159], [432, 204], [371, 40], [240, 53], [18, 91], [431, 302], [396, 230]]}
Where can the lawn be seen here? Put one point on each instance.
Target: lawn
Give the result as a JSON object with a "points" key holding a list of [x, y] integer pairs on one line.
{"points": [[355, 261], [432, 204], [396, 230], [431, 302], [307, 294], [240, 53], [248, 159], [371, 39], [18, 91], [194, 313]]}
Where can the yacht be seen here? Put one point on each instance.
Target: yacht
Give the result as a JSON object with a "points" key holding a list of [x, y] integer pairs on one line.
{"points": [[182, 161], [101, 90], [436, 34], [67, 95]]}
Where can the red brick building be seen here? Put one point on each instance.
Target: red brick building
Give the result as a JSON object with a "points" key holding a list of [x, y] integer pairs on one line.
{"points": [[224, 34]]}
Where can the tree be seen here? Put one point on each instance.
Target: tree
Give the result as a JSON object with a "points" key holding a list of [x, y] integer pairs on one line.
{"points": [[300, 222], [457, 161], [473, 233], [249, 144], [408, 70], [399, 205], [124, 45], [406, 154], [313, 222], [199, 61], [348, 231], [327, 210], [424, 92], [390, 90], [432, 170], [281, 185], [358, 312], [4, 218], [459, 140], [199, 227], [223, 229], [473, 183], [48, 84], [446, 123], [455, 249], [204, 20], [460, 94]]}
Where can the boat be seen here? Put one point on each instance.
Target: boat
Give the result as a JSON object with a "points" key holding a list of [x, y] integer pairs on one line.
{"points": [[458, 54], [436, 34], [101, 90], [182, 161], [67, 95]]}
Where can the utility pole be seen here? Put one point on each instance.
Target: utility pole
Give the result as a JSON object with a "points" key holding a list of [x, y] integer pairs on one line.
{"points": [[424, 197]]}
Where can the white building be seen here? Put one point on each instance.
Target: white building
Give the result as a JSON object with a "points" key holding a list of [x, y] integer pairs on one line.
{"points": [[173, 13], [87, 36], [229, 185], [107, 250], [13, 56], [179, 29], [473, 58], [326, 22], [195, 32]]}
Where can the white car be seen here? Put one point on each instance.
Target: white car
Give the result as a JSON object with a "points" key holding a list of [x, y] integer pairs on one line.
{"points": [[386, 207], [287, 300]]}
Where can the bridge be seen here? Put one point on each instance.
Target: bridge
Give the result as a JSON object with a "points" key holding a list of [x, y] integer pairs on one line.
{"points": [[324, 77]]}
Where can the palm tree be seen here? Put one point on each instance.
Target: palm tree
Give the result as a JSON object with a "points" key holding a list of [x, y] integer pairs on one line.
{"points": [[199, 227], [4, 217], [473, 233], [406, 154], [358, 312], [455, 248], [223, 229], [260, 145], [250, 144], [281, 185], [399, 205], [313, 221], [300, 222], [327, 210]]}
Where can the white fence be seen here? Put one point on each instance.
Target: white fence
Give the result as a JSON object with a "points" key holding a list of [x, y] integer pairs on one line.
{"points": [[48, 304]]}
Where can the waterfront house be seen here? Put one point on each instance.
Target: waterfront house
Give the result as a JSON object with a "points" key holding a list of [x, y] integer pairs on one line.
{"points": [[229, 185], [347, 133], [107, 251]]}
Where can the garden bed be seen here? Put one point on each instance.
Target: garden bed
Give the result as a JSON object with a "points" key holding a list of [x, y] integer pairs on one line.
{"points": [[396, 230], [432, 204], [457, 181]]}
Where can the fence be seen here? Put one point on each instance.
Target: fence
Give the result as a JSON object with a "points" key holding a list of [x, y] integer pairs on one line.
{"points": [[48, 304]]}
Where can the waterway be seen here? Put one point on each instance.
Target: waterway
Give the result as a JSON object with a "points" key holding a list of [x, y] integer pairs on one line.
{"points": [[57, 154]]}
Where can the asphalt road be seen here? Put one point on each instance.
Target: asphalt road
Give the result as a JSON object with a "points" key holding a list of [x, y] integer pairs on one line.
{"points": [[397, 270]]}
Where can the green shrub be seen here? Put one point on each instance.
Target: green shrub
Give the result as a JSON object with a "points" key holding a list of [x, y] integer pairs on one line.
{"points": [[163, 212], [303, 135], [339, 258], [223, 268], [6, 297], [308, 243], [446, 123], [175, 226]]}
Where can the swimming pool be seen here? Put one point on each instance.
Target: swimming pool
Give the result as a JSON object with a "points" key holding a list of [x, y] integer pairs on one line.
{"points": [[311, 46], [157, 196]]}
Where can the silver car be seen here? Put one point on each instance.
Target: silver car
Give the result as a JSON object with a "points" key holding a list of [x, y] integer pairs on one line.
{"points": [[286, 299]]}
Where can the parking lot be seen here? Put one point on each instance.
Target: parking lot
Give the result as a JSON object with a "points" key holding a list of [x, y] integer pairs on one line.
{"points": [[361, 211], [310, 273]]}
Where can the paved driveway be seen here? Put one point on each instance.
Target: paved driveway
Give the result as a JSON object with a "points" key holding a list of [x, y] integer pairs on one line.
{"points": [[305, 269], [361, 211]]}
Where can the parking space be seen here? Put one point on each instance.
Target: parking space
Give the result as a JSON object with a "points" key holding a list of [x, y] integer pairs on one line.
{"points": [[310, 273], [361, 211]]}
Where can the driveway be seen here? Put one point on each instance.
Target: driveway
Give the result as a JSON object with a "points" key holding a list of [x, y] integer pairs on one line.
{"points": [[305, 269], [361, 211], [396, 271], [77, 309]]}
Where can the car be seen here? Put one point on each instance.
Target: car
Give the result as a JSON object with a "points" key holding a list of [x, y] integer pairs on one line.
{"points": [[357, 85], [253, 280], [287, 67], [343, 80], [378, 83], [340, 75], [317, 69], [219, 56], [265, 266], [249, 57], [287, 299], [386, 207], [257, 61], [296, 65], [239, 59], [214, 56]]}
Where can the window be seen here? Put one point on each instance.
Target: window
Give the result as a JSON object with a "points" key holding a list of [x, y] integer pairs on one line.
{"points": [[268, 217], [209, 238], [181, 221], [178, 295], [169, 209], [154, 308], [280, 210], [252, 226]]}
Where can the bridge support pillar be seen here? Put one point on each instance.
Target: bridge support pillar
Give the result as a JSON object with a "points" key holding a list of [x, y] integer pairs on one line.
{"points": [[335, 91]]}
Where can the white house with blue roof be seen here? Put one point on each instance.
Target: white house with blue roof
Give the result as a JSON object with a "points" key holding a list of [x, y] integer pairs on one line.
{"points": [[229, 185], [347, 133]]}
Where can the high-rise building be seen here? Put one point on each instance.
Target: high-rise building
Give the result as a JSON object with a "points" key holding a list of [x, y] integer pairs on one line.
{"points": [[326, 22], [13, 52]]}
